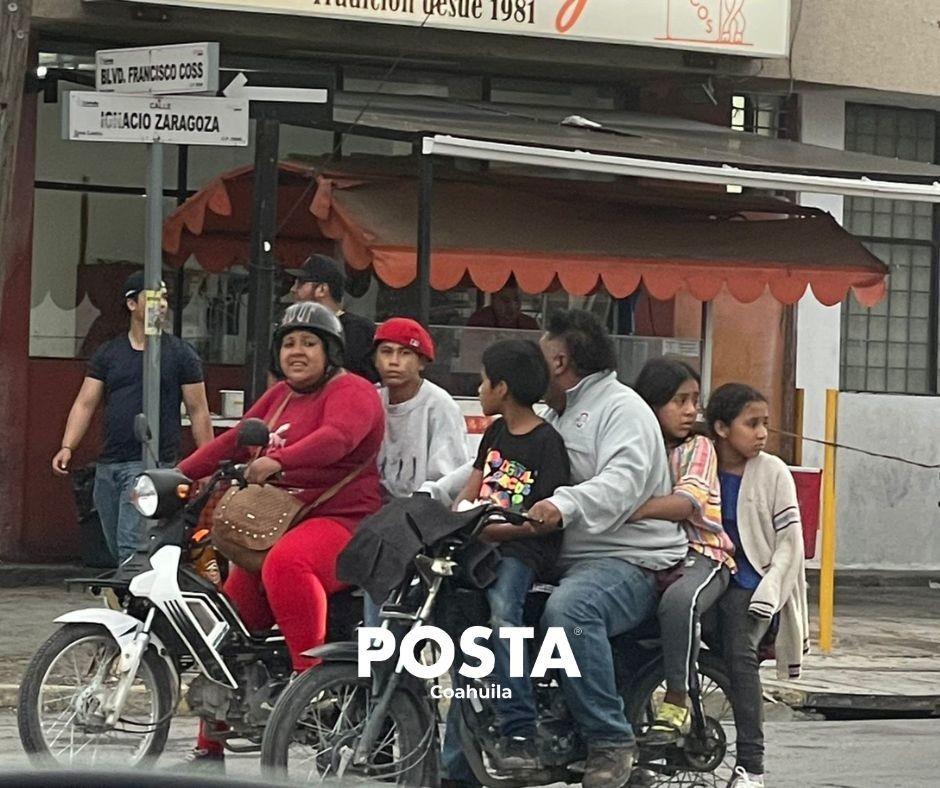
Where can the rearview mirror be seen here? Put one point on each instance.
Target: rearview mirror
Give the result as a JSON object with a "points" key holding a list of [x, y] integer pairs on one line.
{"points": [[142, 429], [253, 432]]}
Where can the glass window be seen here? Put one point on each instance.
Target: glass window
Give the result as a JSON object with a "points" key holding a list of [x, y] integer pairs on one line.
{"points": [[886, 348]]}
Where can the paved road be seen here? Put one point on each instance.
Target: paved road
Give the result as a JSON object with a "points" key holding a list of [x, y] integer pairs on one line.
{"points": [[873, 754]]}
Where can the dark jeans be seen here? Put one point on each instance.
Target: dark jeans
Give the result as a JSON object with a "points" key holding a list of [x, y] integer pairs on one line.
{"points": [[507, 600], [741, 634], [597, 599], [517, 715], [699, 586]]}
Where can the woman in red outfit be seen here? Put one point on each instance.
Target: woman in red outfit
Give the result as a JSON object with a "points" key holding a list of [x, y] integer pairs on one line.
{"points": [[330, 424]]}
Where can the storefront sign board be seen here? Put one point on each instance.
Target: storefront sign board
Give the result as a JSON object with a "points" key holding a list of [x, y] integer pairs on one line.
{"points": [[752, 28], [182, 120], [177, 68]]}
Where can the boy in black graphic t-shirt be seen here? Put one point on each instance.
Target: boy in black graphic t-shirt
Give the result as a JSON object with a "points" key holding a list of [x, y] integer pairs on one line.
{"points": [[521, 460]]}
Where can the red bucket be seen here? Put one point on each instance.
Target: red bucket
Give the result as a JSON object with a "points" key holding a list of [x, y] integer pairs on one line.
{"points": [[809, 496]]}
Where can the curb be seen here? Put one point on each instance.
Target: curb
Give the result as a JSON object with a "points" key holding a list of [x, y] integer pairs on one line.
{"points": [[9, 696], [19, 575], [869, 578], [10, 699]]}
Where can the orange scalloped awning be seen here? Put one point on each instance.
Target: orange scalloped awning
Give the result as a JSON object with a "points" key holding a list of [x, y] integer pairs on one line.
{"points": [[545, 233], [214, 225]]}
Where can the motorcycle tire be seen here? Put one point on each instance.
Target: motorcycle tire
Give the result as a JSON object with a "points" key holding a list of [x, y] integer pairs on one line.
{"points": [[416, 734], [637, 702], [32, 736]]}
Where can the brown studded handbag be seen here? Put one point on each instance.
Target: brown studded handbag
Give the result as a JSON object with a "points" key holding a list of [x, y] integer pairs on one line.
{"points": [[248, 521]]}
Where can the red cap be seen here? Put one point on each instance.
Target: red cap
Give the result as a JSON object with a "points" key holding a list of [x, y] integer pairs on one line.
{"points": [[407, 332]]}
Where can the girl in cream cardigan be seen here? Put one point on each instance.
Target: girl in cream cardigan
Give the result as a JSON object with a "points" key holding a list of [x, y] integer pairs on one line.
{"points": [[761, 515]]}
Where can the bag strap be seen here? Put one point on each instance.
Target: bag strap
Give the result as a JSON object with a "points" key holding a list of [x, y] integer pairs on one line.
{"points": [[272, 420], [329, 493]]}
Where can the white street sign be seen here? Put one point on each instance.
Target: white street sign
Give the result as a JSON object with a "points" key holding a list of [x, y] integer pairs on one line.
{"points": [[183, 120], [177, 68], [239, 88]]}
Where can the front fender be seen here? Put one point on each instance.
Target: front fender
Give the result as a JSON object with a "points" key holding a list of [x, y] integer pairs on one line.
{"points": [[348, 651], [344, 651], [122, 628]]}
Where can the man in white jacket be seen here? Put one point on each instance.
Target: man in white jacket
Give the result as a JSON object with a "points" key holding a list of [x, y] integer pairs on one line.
{"points": [[607, 564]]}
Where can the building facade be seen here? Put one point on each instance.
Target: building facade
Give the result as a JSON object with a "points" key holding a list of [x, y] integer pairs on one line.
{"points": [[795, 70]]}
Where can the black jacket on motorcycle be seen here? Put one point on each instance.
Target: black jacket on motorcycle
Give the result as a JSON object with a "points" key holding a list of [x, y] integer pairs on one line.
{"points": [[384, 546]]}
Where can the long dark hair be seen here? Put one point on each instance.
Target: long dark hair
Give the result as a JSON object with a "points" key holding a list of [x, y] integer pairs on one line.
{"points": [[660, 379], [727, 402]]}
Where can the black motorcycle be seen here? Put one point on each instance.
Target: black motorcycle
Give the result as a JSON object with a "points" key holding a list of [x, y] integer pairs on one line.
{"points": [[333, 723], [103, 689]]}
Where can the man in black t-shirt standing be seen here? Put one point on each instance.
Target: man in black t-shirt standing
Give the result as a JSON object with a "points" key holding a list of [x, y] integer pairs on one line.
{"points": [[116, 375], [321, 279]]}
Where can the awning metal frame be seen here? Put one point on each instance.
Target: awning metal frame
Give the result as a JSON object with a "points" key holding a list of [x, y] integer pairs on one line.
{"points": [[584, 161]]}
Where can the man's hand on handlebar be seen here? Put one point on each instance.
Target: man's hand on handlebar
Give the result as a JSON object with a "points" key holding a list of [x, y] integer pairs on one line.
{"points": [[261, 470], [548, 515]]}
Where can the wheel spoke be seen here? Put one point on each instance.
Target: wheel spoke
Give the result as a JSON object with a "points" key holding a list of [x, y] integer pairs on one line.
{"points": [[75, 683]]}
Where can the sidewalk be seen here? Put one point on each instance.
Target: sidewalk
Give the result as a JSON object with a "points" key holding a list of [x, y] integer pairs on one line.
{"points": [[886, 660]]}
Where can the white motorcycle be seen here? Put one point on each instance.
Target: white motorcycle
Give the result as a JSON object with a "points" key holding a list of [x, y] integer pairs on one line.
{"points": [[103, 689]]}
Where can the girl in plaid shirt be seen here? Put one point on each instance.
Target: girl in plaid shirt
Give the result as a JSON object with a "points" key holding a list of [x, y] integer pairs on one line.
{"points": [[671, 389]]}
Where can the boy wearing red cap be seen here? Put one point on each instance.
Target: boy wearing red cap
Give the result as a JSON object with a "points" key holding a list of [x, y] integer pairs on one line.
{"points": [[425, 434]]}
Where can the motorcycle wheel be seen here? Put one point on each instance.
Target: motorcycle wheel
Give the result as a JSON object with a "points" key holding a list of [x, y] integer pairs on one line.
{"points": [[643, 700], [61, 687], [316, 723]]}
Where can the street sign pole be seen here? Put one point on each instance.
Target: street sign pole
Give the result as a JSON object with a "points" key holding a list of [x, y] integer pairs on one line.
{"points": [[153, 278]]}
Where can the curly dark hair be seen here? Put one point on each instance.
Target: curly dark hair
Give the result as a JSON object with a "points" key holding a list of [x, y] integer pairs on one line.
{"points": [[726, 402], [590, 347]]}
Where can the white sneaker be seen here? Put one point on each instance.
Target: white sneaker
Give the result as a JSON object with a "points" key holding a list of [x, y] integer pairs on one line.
{"points": [[743, 779]]}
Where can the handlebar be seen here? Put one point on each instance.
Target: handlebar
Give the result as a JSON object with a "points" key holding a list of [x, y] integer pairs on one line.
{"points": [[514, 518]]}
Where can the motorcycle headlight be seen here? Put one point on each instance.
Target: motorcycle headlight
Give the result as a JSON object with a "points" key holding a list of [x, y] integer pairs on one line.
{"points": [[160, 492], [144, 496]]}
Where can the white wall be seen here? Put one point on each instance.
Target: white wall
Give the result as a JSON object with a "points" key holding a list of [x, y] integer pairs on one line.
{"points": [[888, 513], [822, 122], [115, 223]]}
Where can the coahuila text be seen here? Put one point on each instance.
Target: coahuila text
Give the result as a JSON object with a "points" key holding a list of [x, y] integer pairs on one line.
{"points": [[377, 645], [490, 692]]}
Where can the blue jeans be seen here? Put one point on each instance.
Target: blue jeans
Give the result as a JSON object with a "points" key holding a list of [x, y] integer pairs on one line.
{"points": [[517, 715], [597, 599], [120, 521], [507, 600]]}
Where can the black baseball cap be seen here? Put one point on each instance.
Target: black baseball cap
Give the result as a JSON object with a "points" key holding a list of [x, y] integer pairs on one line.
{"points": [[135, 284], [321, 269]]}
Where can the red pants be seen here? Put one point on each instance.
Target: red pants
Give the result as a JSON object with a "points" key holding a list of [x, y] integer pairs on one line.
{"points": [[298, 577]]}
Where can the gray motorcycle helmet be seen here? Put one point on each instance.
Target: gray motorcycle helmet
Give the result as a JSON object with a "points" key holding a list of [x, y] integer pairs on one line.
{"points": [[317, 319]]}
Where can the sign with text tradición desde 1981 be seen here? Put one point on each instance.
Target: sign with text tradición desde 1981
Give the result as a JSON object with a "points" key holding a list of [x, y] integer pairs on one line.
{"points": [[183, 120], [754, 28], [177, 68]]}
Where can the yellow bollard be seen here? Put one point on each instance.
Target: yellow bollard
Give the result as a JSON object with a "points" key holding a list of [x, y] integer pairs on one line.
{"points": [[827, 562]]}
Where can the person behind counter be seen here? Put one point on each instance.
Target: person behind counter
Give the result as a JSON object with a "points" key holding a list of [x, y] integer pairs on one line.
{"points": [[321, 279], [116, 375], [504, 311]]}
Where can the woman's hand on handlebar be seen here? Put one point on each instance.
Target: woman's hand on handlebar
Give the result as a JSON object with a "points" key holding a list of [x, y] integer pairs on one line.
{"points": [[261, 470]]}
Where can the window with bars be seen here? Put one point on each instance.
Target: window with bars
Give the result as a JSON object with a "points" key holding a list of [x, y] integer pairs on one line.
{"points": [[892, 347], [767, 115]]}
